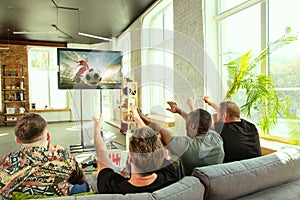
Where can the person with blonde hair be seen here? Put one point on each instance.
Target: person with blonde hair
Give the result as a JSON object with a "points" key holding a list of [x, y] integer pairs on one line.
{"points": [[149, 170]]}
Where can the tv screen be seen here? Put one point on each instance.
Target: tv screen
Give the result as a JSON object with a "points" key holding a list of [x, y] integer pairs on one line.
{"points": [[89, 69]]}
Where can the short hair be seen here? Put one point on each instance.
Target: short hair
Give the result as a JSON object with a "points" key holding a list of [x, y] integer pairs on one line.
{"points": [[231, 109], [146, 150], [30, 127], [202, 119]]}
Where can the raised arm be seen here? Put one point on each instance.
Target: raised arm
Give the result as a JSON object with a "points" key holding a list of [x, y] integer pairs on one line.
{"points": [[212, 104], [165, 134], [174, 108], [191, 102], [100, 146], [137, 117]]}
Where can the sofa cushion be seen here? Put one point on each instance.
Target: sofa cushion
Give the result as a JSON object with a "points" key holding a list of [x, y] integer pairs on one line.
{"points": [[188, 187], [136, 196], [287, 191], [23, 196], [236, 179]]}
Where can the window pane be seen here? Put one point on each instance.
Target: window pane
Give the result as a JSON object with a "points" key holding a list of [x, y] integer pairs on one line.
{"points": [[282, 128], [157, 61], [43, 84], [38, 91], [239, 34], [58, 98], [228, 4], [285, 62]]}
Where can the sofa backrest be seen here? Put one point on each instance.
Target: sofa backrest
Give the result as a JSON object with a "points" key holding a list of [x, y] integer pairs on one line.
{"points": [[240, 178]]}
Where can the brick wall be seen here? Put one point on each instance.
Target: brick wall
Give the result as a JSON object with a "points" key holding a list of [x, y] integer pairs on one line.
{"points": [[15, 56], [188, 47]]}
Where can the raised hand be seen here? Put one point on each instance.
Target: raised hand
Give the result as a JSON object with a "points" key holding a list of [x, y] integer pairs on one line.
{"points": [[145, 119], [98, 123], [137, 117], [207, 100], [174, 108], [191, 102]]}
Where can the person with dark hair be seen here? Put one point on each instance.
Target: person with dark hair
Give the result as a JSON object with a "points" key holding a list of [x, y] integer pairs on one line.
{"points": [[149, 170], [38, 168], [241, 139], [201, 146]]}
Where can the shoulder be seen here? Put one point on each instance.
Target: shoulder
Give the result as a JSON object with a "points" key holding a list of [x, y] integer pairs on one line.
{"points": [[213, 133], [109, 181], [8, 158], [248, 125], [247, 122], [180, 139], [168, 171], [108, 174]]}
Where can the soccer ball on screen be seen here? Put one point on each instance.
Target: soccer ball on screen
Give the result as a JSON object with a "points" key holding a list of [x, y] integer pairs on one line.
{"points": [[93, 76]]}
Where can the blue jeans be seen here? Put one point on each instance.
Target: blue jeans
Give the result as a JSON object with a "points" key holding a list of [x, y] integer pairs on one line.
{"points": [[79, 188]]}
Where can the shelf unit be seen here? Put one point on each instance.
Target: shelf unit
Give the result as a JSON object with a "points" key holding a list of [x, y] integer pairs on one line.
{"points": [[129, 97], [13, 92]]}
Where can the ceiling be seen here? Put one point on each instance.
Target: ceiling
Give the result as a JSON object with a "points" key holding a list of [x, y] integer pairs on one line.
{"points": [[61, 20]]}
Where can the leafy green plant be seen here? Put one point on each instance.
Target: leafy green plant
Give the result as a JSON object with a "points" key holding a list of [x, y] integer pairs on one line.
{"points": [[294, 132], [259, 88], [293, 125]]}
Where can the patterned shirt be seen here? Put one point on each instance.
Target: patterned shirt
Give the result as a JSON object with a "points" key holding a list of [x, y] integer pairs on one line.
{"points": [[36, 171]]}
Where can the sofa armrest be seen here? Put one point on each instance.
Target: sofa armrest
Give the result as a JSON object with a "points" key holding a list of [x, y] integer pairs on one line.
{"points": [[134, 196], [236, 179], [188, 187]]}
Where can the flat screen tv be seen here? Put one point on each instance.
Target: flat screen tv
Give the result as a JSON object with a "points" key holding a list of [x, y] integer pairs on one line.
{"points": [[89, 69]]}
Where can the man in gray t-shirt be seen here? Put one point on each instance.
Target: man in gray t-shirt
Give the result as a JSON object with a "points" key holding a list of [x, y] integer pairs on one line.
{"points": [[198, 151], [200, 147]]}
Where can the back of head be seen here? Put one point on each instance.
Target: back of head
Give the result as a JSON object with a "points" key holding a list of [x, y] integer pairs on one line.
{"points": [[231, 109], [202, 119], [146, 150], [29, 128]]}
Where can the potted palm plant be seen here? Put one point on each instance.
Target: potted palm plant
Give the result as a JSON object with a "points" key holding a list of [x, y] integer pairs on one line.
{"points": [[259, 88]]}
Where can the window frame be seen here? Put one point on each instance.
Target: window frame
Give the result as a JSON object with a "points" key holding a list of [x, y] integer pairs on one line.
{"points": [[49, 69], [265, 66], [152, 47]]}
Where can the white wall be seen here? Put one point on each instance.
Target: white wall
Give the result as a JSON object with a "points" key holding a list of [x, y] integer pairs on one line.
{"points": [[59, 116]]}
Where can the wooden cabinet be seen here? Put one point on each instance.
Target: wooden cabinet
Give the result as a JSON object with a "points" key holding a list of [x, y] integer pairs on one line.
{"points": [[13, 92], [129, 97]]}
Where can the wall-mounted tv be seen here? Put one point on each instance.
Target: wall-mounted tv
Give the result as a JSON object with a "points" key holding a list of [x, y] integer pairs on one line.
{"points": [[89, 69]]}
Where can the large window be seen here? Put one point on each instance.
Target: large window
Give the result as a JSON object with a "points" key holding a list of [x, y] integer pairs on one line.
{"points": [[251, 25], [157, 58], [285, 63], [43, 84]]}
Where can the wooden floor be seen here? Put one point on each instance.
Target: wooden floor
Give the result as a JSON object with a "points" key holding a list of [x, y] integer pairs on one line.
{"points": [[65, 134]]}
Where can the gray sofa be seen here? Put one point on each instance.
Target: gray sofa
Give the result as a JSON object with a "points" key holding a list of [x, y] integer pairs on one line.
{"points": [[273, 176]]}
